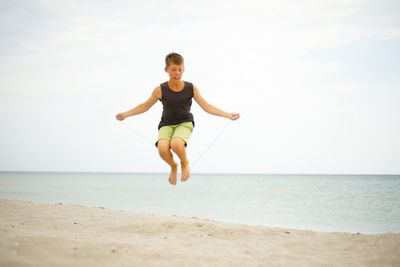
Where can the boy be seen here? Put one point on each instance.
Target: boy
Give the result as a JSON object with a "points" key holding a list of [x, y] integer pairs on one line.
{"points": [[177, 121]]}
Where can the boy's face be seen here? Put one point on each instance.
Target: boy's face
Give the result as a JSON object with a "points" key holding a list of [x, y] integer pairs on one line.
{"points": [[175, 71]]}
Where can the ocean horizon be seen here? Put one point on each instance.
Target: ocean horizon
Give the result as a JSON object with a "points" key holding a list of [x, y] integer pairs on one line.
{"points": [[320, 202]]}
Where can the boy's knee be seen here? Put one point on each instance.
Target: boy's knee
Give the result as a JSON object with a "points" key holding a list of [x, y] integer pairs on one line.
{"points": [[177, 144], [163, 146]]}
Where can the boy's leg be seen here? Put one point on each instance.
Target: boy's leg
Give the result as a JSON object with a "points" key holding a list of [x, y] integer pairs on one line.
{"points": [[178, 146], [164, 149], [179, 140]]}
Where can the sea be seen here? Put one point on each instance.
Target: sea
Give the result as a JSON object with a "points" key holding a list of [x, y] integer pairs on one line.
{"points": [[367, 204]]}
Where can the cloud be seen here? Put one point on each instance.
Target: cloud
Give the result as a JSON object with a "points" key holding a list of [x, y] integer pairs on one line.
{"points": [[287, 64]]}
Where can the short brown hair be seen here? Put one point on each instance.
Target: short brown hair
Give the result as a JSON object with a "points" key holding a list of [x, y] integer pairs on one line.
{"points": [[173, 58]]}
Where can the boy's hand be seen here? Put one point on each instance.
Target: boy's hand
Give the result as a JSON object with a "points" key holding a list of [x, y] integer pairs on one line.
{"points": [[234, 116], [120, 116]]}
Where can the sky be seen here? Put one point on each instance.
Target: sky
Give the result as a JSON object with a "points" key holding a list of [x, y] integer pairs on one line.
{"points": [[316, 84]]}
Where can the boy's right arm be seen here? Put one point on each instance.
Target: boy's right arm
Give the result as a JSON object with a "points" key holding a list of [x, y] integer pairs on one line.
{"points": [[156, 95]]}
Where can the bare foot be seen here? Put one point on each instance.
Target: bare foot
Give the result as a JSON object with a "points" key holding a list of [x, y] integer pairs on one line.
{"points": [[173, 174], [185, 171]]}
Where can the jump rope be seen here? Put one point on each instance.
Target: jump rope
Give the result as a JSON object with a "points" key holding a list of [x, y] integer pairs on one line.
{"points": [[201, 155]]}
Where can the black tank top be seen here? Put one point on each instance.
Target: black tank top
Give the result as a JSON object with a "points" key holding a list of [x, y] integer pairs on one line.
{"points": [[176, 105]]}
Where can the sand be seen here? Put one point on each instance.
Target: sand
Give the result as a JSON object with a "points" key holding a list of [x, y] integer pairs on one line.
{"points": [[38, 234]]}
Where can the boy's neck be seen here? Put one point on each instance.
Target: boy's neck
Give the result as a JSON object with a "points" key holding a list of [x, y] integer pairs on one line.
{"points": [[175, 83]]}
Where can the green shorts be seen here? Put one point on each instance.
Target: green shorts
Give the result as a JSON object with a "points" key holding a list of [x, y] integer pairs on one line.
{"points": [[182, 130]]}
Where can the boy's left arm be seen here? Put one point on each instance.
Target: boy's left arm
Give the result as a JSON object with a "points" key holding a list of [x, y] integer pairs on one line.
{"points": [[210, 108]]}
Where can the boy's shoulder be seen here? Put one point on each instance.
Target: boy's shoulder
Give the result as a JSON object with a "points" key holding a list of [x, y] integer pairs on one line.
{"points": [[188, 83]]}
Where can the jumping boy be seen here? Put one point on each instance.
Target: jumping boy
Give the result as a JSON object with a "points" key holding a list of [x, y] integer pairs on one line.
{"points": [[177, 121]]}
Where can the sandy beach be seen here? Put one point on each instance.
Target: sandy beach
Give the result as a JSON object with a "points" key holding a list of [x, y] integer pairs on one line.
{"points": [[40, 234]]}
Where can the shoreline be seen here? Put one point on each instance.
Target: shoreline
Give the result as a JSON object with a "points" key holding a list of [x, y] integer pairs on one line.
{"points": [[46, 234]]}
